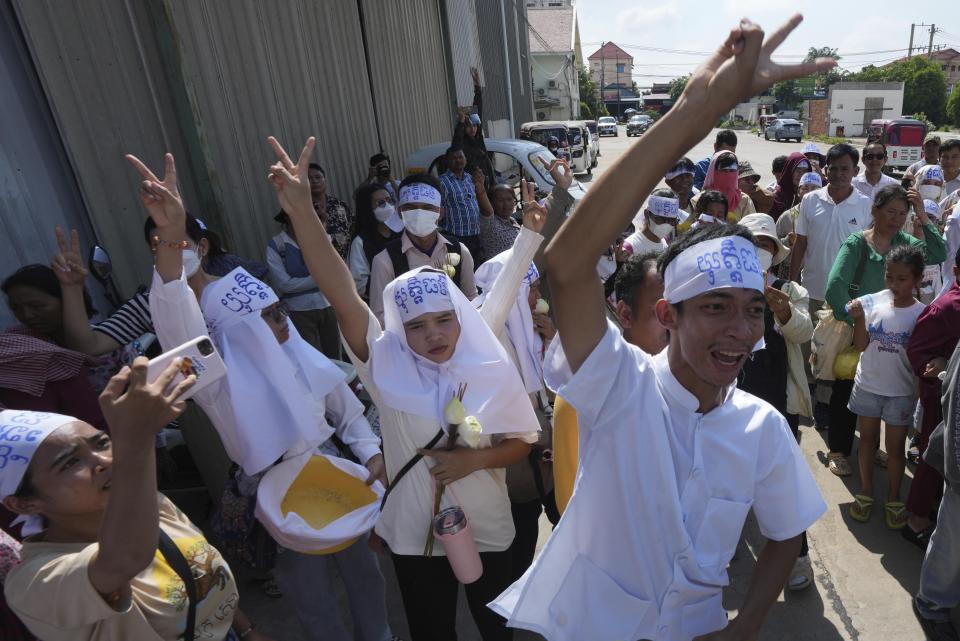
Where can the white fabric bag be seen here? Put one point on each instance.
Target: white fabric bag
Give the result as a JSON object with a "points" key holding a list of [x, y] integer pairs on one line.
{"points": [[292, 531]]}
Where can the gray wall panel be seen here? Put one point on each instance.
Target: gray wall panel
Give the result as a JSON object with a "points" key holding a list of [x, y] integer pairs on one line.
{"points": [[105, 86], [291, 68], [409, 75]]}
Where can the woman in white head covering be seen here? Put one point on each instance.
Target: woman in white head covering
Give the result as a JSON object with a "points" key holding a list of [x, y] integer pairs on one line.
{"points": [[281, 398], [433, 344], [94, 571]]}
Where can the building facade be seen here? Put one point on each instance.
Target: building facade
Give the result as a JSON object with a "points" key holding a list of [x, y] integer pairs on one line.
{"points": [[850, 106], [555, 56]]}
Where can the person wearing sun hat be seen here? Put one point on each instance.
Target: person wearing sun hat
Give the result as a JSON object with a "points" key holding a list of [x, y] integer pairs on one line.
{"points": [[776, 372], [749, 182]]}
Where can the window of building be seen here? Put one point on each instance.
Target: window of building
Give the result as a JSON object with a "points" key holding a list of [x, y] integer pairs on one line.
{"points": [[943, 67], [620, 67]]}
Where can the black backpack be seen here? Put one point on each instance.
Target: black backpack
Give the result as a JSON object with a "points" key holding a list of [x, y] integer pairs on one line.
{"points": [[401, 265]]}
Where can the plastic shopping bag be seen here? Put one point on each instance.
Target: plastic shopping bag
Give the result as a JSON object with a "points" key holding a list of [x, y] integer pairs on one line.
{"points": [[829, 339], [317, 504]]}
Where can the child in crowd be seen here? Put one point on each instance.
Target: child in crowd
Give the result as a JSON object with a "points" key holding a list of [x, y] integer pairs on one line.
{"points": [[885, 387], [711, 210]]}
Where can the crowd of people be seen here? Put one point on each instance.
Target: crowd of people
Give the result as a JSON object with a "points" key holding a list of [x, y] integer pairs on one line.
{"points": [[638, 365]]}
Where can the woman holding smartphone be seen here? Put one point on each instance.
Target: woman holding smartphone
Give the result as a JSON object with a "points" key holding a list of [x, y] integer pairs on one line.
{"points": [[95, 571]]}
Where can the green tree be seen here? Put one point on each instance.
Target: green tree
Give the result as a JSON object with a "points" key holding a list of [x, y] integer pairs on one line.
{"points": [[677, 85], [924, 85], [590, 94], [953, 106], [787, 94], [585, 112], [825, 78]]}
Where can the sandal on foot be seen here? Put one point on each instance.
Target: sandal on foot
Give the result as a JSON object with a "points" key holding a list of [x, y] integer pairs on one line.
{"points": [[896, 515], [861, 508], [880, 458], [839, 465]]}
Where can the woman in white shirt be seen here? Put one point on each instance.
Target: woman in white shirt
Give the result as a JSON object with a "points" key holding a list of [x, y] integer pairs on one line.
{"points": [[280, 398], [432, 343]]}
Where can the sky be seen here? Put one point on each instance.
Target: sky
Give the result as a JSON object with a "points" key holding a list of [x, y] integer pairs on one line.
{"points": [[870, 37]]}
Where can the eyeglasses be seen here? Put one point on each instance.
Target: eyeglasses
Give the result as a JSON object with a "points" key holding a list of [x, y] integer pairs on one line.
{"points": [[874, 156], [277, 312]]}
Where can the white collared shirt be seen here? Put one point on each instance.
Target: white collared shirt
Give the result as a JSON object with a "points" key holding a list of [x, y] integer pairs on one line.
{"points": [[826, 225], [861, 184], [660, 499]]}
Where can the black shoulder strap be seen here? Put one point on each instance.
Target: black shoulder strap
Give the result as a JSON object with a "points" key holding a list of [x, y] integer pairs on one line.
{"points": [[454, 248], [399, 260], [408, 466], [178, 563], [779, 283]]}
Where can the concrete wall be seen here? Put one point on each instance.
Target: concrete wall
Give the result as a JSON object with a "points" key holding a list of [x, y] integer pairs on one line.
{"points": [[848, 103]]}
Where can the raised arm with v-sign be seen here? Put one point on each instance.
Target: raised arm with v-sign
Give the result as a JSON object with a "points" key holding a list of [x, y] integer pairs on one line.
{"points": [[328, 270], [741, 67]]}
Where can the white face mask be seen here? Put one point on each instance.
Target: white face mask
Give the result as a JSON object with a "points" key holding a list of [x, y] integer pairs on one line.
{"points": [[766, 259], [930, 192], [660, 230], [191, 262], [383, 212], [420, 222]]}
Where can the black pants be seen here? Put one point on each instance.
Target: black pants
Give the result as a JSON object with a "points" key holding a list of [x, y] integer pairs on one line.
{"points": [[429, 590], [843, 422], [526, 521]]}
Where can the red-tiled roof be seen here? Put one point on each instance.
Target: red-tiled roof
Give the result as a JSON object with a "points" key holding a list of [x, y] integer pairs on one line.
{"points": [[610, 51]]}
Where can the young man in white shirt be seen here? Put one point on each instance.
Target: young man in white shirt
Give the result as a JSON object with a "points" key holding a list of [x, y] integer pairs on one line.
{"points": [[872, 179], [827, 217], [950, 162], [672, 455]]}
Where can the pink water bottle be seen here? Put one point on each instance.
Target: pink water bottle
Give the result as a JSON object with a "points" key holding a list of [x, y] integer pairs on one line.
{"points": [[453, 531]]}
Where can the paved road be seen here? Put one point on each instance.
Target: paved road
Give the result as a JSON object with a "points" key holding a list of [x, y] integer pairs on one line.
{"points": [[865, 574]]}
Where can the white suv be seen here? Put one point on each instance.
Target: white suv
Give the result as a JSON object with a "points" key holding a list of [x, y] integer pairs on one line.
{"points": [[607, 125]]}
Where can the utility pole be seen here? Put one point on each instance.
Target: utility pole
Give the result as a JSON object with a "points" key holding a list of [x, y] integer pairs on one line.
{"points": [[933, 30], [910, 50], [603, 69]]}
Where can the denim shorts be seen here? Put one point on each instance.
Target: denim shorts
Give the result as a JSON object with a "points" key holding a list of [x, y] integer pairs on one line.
{"points": [[894, 410]]}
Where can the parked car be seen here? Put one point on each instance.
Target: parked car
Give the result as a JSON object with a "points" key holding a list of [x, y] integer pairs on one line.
{"points": [[608, 126], [570, 135], [784, 129], [638, 124], [903, 138], [512, 160]]}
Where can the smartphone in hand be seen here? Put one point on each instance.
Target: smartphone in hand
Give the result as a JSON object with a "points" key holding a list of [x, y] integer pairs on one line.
{"points": [[200, 358]]}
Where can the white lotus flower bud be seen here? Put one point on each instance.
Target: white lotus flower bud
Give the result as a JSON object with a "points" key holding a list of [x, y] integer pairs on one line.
{"points": [[542, 306], [471, 431], [453, 259], [454, 413], [451, 270]]}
